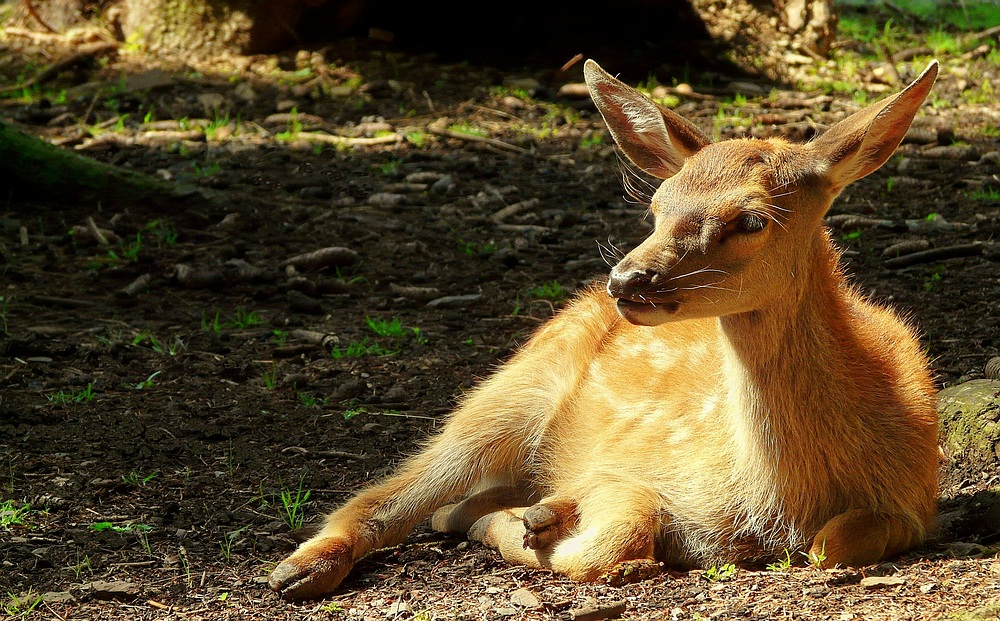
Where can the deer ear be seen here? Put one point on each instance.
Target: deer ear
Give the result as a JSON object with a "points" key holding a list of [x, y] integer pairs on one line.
{"points": [[861, 143], [655, 139]]}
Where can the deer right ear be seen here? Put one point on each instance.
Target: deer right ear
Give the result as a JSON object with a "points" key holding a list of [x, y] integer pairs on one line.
{"points": [[861, 143], [655, 139]]}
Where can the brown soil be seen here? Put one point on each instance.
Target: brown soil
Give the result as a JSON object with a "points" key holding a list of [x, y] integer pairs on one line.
{"points": [[201, 417]]}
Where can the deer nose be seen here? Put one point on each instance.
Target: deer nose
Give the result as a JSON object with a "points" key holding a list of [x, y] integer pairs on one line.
{"points": [[626, 283]]}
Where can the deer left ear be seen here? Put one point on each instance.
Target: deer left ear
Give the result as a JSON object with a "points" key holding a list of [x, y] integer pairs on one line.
{"points": [[861, 143], [654, 138]]}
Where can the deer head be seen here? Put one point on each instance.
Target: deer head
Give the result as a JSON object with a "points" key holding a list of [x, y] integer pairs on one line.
{"points": [[737, 222]]}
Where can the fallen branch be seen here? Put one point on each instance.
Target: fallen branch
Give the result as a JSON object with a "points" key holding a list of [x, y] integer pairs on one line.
{"points": [[935, 254], [440, 128], [83, 52], [349, 142], [38, 18]]}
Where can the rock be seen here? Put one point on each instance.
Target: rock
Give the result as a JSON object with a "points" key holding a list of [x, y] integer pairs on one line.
{"points": [[984, 613], [444, 185], [525, 599], [960, 549], [195, 278], [880, 582], [506, 612], [602, 611], [968, 414], [386, 199], [399, 609], [111, 590], [58, 597], [299, 302]]}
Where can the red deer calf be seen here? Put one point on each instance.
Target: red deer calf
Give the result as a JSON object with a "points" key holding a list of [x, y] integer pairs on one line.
{"points": [[728, 397]]}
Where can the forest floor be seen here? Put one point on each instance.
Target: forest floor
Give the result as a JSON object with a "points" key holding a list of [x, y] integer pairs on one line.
{"points": [[179, 390]]}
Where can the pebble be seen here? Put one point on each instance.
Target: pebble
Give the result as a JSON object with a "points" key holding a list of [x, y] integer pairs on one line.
{"points": [[111, 590], [880, 582], [444, 185], [604, 611], [386, 199], [961, 549], [525, 598], [398, 609], [301, 303], [58, 597]]}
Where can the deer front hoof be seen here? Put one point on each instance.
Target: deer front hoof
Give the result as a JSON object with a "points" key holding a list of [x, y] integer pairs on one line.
{"points": [[314, 570], [630, 572]]}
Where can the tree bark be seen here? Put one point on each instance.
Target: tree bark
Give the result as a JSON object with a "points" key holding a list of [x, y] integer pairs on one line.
{"points": [[766, 37], [34, 170], [770, 36]]}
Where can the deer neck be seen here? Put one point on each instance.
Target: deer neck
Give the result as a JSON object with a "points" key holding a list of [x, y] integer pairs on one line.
{"points": [[796, 332], [782, 362]]}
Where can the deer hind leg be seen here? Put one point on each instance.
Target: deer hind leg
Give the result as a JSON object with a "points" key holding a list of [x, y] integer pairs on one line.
{"points": [[606, 541], [862, 537], [458, 518]]}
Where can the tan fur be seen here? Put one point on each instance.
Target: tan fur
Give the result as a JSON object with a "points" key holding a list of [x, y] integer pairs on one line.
{"points": [[734, 399]]}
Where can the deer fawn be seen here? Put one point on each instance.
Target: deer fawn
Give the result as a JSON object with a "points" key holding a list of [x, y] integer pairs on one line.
{"points": [[728, 397]]}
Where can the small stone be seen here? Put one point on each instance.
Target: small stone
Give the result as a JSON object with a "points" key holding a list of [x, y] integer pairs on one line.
{"points": [[602, 611], [927, 588], [506, 612], [112, 590], [58, 597], [683, 89], [301, 303], [960, 549], [398, 609], [444, 185], [525, 599], [245, 92], [386, 199], [880, 582]]}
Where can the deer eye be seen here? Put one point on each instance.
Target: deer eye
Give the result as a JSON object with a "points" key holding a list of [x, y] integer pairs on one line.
{"points": [[750, 223]]}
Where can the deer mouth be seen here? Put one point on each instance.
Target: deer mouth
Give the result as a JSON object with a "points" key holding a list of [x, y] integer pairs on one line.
{"points": [[629, 307]]}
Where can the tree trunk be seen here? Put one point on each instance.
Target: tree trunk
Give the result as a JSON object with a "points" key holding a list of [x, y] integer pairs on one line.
{"points": [[34, 170], [769, 36], [762, 36]]}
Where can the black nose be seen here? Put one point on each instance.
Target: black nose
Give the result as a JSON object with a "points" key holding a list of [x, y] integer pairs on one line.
{"points": [[623, 284]]}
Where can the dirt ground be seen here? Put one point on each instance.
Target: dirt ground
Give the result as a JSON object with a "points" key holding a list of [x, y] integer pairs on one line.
{"points": [[168, 434]]}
